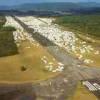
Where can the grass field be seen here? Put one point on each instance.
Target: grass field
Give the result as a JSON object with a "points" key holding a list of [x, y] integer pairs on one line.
{"points": [[11, 67], [7, 45], [85, 24], [82, 93]]}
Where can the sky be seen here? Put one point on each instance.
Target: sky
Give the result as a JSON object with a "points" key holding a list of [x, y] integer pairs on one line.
{"points": [[17, 2]]}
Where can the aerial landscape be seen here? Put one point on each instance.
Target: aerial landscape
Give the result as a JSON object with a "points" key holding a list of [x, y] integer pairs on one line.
{"points": [[49, 50]]}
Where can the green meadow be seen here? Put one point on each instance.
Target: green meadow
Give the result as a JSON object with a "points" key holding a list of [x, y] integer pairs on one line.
{"points": [[7, 45], [84, 24]]}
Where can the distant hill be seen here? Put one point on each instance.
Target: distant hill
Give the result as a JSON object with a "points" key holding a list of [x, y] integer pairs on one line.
{"points": [[4, 8], [64, 7], [48, 6], [56, 6]]}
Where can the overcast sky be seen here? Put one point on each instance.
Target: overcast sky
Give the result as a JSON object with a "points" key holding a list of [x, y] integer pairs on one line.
{"points": [[14, 2]]}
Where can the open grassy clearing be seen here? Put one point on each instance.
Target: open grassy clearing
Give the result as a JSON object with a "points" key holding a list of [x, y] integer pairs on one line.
{"points": [[82, 93], [7, 45], [29, 57], [85, 24]]}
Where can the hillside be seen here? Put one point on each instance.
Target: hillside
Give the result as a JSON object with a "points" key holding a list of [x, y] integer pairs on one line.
{"points": [[85, 24], [56, 6]]}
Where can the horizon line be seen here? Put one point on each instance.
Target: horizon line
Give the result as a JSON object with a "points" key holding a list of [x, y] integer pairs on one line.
{"points": [[50, 2]]}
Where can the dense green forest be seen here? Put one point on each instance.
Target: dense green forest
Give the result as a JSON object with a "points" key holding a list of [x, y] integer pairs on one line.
{"points": [[85, 24], [7, 45]]}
